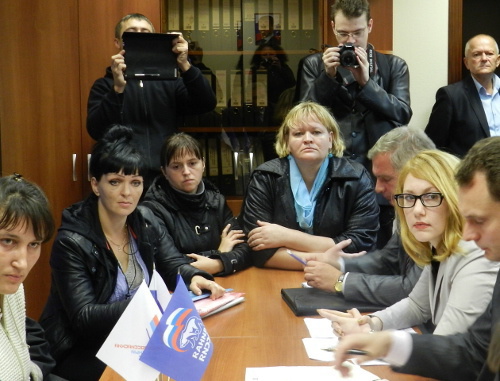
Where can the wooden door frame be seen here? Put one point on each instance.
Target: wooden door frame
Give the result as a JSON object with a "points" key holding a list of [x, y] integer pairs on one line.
{"points": [[455, 54]]}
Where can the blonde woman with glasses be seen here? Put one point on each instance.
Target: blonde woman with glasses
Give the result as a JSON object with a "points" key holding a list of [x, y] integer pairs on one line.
{"points": [[457, 281]]}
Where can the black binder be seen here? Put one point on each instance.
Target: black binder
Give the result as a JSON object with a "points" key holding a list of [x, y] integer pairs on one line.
{"points": [[149, 56], [305, 301]]}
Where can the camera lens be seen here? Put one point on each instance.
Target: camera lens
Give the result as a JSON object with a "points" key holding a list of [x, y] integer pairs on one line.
{"points": [[348, 56]]}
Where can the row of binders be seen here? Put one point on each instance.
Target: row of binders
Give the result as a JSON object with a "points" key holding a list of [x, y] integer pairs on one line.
{"points": [[247, 115], [230, 159]]}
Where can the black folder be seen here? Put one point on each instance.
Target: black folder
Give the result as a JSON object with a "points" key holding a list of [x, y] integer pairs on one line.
{"points": [[149, 56], [305, 301]]}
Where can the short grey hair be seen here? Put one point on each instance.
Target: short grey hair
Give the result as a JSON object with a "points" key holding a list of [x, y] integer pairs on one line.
{"points": [[403, 143], [467, 45]]}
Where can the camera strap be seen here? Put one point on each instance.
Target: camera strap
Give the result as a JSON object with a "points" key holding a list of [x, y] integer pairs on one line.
{"points": [[372, 60]]}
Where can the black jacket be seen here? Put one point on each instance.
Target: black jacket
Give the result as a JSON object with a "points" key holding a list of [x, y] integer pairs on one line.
{"points": [[151, 110], [457, 119], [195, 224], [39, 348], [345, 208], [365, 114], [84, 275]]}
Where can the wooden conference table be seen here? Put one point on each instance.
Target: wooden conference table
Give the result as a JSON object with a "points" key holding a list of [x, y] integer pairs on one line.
{"points": [[263, 331]]}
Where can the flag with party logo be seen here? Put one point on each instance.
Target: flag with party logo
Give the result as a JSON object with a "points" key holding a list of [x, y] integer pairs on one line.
{"points": [[126, 342], [180, 346]]}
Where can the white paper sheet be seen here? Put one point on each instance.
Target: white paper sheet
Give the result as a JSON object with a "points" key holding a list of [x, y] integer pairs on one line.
{"points": [[301, 373]]}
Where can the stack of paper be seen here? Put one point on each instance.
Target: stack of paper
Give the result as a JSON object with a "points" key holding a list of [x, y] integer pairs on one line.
{"points": [[207, 306]]}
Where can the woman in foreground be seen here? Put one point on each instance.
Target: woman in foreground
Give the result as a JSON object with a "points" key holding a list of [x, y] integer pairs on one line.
{"points": [[25, 223]]}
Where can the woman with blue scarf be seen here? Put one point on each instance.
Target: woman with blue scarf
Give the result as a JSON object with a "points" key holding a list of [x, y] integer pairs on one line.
{"points": [[310, 198]]}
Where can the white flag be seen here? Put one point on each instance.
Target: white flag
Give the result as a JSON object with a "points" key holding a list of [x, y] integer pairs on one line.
{"points": [[160, 291], [130, 335]]}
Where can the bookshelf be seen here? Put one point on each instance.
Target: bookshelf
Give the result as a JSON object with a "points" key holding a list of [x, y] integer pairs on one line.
{"points": [[249, 51], [234, 43]]}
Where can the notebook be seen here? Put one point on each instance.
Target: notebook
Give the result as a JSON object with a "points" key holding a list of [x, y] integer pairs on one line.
{"points": [[305, 301], [149, 56]]}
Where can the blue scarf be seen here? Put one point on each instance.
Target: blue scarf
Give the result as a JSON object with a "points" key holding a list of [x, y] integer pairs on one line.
{"points": [[305, 202]]}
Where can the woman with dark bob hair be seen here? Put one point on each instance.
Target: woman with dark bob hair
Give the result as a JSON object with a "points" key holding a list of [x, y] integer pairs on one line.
{"points": [[25, 223], [105, 247]]}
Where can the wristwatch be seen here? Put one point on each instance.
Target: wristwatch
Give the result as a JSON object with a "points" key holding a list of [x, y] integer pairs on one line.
{"points": [[339, 285]]}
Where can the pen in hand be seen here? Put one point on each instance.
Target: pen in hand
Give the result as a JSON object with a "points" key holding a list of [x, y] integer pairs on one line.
{"points": [[295, 256], [357, 352]]}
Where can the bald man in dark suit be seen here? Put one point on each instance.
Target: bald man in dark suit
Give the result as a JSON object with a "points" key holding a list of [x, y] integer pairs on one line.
{"points": [[464, 111]]}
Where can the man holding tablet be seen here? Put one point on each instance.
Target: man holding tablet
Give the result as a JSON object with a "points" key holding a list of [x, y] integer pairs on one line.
{"points": [[149, 106]]}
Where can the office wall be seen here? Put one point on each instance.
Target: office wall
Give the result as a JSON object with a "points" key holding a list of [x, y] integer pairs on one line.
{"points": [[420, 36]]}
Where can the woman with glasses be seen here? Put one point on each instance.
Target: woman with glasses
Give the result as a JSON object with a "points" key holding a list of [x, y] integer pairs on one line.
{"points": [[457, 281], [105, 248], [194, 212]]}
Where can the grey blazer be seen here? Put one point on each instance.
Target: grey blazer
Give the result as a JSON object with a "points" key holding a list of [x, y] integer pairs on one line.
{"points": [[383, 277], [454, 300], [460, 357]]}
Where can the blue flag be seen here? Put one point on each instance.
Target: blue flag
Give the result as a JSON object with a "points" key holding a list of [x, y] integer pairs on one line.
{"points": [[180, 346]]}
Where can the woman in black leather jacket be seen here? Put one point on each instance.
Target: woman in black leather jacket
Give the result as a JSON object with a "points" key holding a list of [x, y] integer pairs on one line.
{"points": [[104, 249], [310, 198], [193, 210]]}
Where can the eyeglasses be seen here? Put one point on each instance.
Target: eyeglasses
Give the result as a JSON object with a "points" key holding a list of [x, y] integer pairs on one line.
{"points": [[345, 35], [429, 200]]}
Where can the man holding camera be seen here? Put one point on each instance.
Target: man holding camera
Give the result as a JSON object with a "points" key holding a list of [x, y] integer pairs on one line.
{"points": [[367, 91]]}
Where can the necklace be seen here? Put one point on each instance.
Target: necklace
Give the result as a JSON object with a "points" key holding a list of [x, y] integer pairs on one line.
{"points": [[118, 246]]}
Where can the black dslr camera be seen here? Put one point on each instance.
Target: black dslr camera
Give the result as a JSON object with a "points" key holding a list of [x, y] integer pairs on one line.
{"points": [[348, 56]]}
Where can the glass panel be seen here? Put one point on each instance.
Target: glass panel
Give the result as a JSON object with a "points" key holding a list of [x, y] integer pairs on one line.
{"points": [[259, 43], [250, 51]]}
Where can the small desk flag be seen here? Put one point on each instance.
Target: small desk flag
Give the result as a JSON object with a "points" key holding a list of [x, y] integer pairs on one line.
{"points": [[180, 346], [160, 291], [130, 335]]}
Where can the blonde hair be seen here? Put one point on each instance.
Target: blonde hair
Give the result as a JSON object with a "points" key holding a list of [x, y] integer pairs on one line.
{"points": [[438, 168], [298, 115]]}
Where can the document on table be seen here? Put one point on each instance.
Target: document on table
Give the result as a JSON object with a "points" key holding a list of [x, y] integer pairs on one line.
{"points": [[322, 337], [319, 327], [300, 373]]}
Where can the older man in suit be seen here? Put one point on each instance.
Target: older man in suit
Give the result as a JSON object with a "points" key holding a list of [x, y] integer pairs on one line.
{"points": [[462, 356], [469, 110]]}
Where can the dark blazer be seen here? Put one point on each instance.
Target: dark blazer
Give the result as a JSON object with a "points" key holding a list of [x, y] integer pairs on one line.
{"points": [[460, 357], [383, 277], [457, 119]]}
